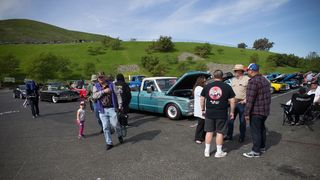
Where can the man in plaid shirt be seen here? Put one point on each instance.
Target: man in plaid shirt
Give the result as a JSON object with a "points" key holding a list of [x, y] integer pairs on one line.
{"points": [[257, 109]]}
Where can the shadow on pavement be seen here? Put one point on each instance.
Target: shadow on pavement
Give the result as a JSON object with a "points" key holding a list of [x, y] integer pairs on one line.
{"points": [[273, 138], [136, 122], [145, 136]]}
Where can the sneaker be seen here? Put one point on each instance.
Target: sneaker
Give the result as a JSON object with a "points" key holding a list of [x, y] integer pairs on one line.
{"points": [[251, 154], [109, 146], [33, 117], [198, 142], [206, 153], [220, 155], [120, 139]]}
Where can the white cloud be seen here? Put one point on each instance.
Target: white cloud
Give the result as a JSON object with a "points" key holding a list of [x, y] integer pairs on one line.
{"points": [[137, 4], [187, 18]]}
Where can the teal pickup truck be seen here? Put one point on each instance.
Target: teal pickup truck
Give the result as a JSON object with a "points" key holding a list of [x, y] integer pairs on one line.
{"points": [[171, 96]]}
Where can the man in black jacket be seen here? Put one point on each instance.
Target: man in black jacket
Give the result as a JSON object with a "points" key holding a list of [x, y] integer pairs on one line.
{"points": [[125, 92]]}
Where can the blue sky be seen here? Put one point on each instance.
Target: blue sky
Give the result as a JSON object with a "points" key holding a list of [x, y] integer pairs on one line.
{"points": [[293, 25]]}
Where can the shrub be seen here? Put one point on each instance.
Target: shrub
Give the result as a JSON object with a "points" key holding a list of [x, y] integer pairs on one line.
{"points": [[203, 51]]}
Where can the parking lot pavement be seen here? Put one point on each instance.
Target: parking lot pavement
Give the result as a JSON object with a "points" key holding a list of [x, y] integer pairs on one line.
{"points": [[155, 148]]}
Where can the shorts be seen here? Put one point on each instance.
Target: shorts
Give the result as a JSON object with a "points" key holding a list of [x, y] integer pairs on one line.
{"points": [[215, 125]]}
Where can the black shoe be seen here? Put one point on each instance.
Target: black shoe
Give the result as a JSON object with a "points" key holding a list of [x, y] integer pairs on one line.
{"points": [[227, 138], [101, 131], [120, 139], [241, 140], [109, 146]]}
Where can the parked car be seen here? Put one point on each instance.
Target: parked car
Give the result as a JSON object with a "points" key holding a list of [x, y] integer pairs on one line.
{"points": [[288, 79], [57, 92], [19, 92], [168, 95], [135, 82], [271, 76], [278, 87]]}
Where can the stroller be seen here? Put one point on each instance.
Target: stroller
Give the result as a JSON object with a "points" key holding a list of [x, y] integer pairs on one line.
{"points": [[301, 106]]}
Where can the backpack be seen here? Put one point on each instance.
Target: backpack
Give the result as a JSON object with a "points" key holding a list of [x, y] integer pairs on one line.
{"points": [[31, 89]]}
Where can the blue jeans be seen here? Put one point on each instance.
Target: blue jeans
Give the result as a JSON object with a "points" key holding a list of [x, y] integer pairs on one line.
{"points": [[109, 119], [258, 132], [239, 109], [97, 115]]}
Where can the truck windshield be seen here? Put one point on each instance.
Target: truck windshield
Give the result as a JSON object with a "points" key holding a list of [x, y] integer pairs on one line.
{"points": [[166, 84]]}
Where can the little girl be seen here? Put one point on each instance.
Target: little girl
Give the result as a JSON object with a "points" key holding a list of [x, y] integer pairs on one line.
{"points": [[80, 118]]}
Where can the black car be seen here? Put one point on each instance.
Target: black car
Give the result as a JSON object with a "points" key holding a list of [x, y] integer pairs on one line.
{"points": [[57, 92], [19, 92]]}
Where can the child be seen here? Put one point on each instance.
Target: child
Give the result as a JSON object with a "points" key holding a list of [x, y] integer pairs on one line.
{"points": [[80, 118]]}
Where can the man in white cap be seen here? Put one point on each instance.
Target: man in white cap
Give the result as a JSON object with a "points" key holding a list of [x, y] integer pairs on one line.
{"points": [[239, 85], [94, 80]]}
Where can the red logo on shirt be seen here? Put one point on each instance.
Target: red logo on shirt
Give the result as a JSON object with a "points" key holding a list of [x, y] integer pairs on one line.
{"points": [[215, 93]]}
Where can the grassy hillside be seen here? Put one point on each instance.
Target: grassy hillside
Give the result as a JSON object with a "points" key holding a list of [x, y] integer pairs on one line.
{"points": [[131, 53], [27, 39], [29, 31]]}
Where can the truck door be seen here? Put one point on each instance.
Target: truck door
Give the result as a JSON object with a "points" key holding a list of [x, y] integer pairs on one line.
{"points": [[147, 100]]}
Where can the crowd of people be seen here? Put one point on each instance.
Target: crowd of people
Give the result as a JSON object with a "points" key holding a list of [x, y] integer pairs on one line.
{"points": [[217, 105]]}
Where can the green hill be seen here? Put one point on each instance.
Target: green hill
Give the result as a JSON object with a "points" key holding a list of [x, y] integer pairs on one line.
{"points": [[29, 31], [127, 58]]}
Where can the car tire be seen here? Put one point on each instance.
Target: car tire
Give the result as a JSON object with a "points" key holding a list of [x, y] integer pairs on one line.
{"points": [[172, 111], [272, 90], [54, 99]]}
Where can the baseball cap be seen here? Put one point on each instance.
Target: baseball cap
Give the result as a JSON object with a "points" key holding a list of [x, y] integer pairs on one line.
{"points": [[253, 67]]}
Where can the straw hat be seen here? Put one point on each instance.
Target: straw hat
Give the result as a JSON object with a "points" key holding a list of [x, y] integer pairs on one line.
{"points": [[238, 67]]}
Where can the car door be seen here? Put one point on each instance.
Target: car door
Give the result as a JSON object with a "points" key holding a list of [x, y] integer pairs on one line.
{"points": [[44, 93], [148, 100]]}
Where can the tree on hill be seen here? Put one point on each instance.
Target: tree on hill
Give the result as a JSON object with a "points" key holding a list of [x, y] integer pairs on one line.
{"points": [[9, 65], [49, 66], [203, 50], [263, 44], [113, 43], [163, 44], [153, 65], [312, 55], [242, 45]]}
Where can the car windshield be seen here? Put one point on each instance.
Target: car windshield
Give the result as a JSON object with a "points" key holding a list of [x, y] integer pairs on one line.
{"points": [[166, 84], [22, 87], [58, 87]]}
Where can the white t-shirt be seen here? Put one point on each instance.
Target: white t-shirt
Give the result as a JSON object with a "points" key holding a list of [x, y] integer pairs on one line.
{"points": [[81, 114], [316, 94], [197, 109]]}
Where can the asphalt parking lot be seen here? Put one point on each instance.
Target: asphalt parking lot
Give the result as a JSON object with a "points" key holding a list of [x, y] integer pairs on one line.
{"points": [[155, 148]]}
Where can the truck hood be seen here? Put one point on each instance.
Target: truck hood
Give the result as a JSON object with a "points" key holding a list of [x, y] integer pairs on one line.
{"points": [[187, 81]]}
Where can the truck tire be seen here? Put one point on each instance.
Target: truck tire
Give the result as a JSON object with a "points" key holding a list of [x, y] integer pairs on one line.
{"points": [[172, 111]]}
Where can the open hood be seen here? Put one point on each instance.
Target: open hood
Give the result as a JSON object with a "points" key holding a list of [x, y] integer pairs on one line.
{"points": [[187, 81]]}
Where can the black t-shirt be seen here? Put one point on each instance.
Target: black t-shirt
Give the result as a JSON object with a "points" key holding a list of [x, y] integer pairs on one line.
{"points": [[217, 95]]}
